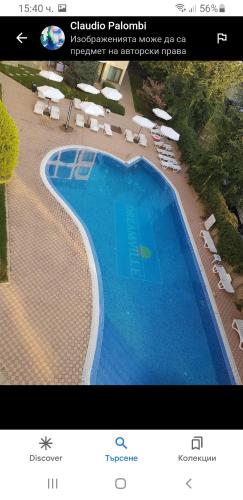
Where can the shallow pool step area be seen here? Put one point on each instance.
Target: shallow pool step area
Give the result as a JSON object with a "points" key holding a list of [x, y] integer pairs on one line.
{"points": [[72, 164]]}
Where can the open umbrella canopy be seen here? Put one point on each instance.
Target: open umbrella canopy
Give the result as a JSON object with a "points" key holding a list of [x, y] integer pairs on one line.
{"points": [[50, 93], [170, 133], [90, 108], [143, 122], [112, 94], [162, 114], [50, 75], [88, 88]]}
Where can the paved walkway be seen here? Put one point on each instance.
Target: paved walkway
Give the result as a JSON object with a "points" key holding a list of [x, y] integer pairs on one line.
{"points": [[46, 308]]}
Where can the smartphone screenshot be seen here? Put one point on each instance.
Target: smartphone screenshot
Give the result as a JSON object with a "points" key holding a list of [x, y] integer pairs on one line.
{"points": [[121, 249]]}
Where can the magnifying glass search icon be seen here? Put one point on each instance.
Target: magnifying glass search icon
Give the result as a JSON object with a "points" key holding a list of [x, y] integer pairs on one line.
{"points": [[120, 442]]}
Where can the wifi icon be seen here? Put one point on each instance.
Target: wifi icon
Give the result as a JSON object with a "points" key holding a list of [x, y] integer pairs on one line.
{"points": [[181, 7]]}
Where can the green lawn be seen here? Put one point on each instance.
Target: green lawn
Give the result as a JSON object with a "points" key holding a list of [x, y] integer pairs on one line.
{"points": [[3, 236], [140, 104], [26, 76]]}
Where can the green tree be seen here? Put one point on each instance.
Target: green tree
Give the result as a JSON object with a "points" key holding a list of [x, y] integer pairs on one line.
{"points": [[215, 76], [80, 71], [9, 145]]}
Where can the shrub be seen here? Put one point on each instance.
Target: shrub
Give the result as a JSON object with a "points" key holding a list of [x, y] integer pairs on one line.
{"points": [[9, 145], [239, 268], [152, 92], [80, 71], [216, 203], [230, 245], [239, 305]]}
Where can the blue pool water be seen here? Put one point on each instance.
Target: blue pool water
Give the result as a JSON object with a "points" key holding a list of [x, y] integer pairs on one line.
{"points": [[157, 324]]}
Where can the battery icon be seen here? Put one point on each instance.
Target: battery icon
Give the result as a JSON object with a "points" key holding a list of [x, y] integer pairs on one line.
{"points": [[222, 8]]}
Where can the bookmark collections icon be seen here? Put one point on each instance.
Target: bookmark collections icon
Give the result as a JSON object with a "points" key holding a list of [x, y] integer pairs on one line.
{"points": [[197, 443]]}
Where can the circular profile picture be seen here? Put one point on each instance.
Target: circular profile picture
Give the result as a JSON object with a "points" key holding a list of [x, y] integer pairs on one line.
{"points": [[52, 38]]}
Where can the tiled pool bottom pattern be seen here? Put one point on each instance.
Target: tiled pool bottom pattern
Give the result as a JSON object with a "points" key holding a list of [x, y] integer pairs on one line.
{"points": [[158, 327]]}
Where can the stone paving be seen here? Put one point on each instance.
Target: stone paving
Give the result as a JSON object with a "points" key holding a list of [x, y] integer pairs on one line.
{"points": [[46, 308]]}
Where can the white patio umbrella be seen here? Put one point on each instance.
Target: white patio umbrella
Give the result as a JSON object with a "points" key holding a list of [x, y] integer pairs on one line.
{"points": [[50, 75], [92, 109], [161, 114], [143, 122], [112, 94], [88, 88], [170, 133], [50, 93]]}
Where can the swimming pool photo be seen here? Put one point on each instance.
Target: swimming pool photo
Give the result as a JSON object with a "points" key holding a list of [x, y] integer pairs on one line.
{"points": [[156, 321]]}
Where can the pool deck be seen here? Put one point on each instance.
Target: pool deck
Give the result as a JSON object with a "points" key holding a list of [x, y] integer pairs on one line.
{"points": [[46, 308]]}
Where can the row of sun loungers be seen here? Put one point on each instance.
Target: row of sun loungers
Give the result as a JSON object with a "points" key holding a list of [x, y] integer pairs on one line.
{"points": [[94, 125], [166, 156], [55, 114], [225, 278], [167, 160], [41, 106], [225, 281]]}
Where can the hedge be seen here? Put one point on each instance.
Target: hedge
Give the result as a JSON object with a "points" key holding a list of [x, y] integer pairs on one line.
{"points": [[9, 145], [230, 243], [107, 84]]}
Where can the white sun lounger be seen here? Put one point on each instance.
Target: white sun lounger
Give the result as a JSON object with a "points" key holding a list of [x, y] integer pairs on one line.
{"points": [[165, 165], [164, 145], [129, 135], [94, 125], [167, 158], [55, 112], [216, 258], [225, 279], [237, 325], [107, 129], [77, 103], [208, 241], [172, 163], [209, 222], [165, 152], [143, 140], [39, 107], [79, 120]]}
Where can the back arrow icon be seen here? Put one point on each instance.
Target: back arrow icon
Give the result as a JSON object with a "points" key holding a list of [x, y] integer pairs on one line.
{"points": [[20, 37], [188, 483]]}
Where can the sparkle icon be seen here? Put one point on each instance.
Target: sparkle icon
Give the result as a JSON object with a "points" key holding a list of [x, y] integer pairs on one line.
{"points": [[45, 443]]}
